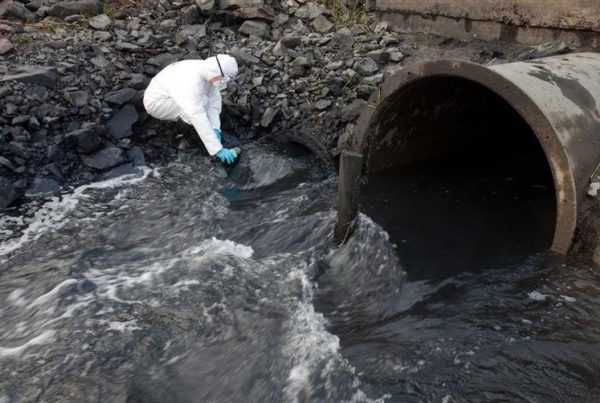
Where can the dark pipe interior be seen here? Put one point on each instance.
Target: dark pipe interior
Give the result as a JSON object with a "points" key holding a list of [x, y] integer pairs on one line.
{"points": [[461, 184]]}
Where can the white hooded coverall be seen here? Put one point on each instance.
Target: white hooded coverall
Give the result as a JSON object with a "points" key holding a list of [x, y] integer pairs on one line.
{"points": [[182, 90]]}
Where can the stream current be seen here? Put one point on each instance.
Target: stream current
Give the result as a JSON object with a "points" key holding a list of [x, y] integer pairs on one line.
{"points": [[186, 283]]}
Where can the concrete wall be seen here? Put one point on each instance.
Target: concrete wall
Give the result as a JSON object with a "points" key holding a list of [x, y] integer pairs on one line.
{"points": [[577, 22]]}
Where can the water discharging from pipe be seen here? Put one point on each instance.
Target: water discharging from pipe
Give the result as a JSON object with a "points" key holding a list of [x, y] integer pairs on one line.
{"points": [[472, 184]]}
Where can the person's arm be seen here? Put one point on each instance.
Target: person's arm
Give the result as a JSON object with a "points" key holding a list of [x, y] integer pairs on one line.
{"points": [[189, 99], [214, 110]]}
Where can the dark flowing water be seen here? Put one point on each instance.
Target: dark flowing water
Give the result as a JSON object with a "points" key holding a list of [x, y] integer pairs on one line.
{"points": [[184, 284]]}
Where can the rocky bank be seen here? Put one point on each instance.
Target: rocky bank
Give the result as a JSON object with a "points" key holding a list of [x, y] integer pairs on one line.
{"points": [[72, 76]]}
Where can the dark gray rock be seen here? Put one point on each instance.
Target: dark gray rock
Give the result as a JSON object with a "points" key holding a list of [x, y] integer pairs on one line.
{"points": [[120, 97], [343, 38], [256, 28], [6, 163], [351, 111], [373, 80], [100, 22], [82, 7], [17, 149], [379, 55], [83, 141], [138, 81], [127, 47], [322, 104], [136, 154], [268, 117], [121, 170], [243, 57], [100, 62], [77, 98], [206, 6], [190, 15], [162, 60], [233, 4], [43, 187], [44, 76], [322, 25], [291, 41], [366, 67], [6, 46], [20, 12], [8, 193], [255, 13], [119, 125], [195, 31], [104, 159]]}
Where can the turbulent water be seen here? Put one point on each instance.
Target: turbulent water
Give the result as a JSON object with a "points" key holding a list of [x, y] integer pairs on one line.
{"points": [[188, 283]]}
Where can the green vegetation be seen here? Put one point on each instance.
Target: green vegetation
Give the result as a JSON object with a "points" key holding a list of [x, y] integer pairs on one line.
{"points": [[346, 12]]}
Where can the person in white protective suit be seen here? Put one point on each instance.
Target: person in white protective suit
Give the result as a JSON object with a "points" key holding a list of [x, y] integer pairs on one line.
{"points": [[190, 90]]}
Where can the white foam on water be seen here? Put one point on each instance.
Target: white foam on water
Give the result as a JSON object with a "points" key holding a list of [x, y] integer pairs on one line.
{"points": [[214, 247], [123, 326], [51, 215], [537, 296], [43, 338]]}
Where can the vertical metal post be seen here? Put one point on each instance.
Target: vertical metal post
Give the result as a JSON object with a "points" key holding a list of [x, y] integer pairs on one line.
{"points": [[348, 194]]}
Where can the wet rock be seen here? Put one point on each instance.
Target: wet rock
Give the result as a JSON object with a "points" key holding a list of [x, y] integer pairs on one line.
{"points": [[84, 141], [120, 97], [43, 187], [44, 76], [8, 193], [256, 28], [19, 11], [353, 110], [255, 13], [6, 46], [104, 159], [268, 117], [322, 25], [100, 22], [366, 67], [77, 98], [121, 170], [136, 154], [120, 124], [66, 8]]}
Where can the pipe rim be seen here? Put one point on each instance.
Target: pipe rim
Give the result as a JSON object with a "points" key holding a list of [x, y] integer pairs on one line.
{"points": [[513, 95]]}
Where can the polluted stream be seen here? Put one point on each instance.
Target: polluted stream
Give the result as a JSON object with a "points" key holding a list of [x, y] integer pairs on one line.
{"points": [[191, 283]]}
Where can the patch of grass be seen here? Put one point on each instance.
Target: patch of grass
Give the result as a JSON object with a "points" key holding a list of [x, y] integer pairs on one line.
{"points": [[346, 12], [107, 9]]}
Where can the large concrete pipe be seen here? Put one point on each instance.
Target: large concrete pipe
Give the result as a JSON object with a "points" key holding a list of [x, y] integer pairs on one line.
{"points": [[433, 108]]}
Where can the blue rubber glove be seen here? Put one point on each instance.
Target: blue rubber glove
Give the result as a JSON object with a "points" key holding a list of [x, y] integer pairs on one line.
{"points": [[218, 133], [226, 155]]}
